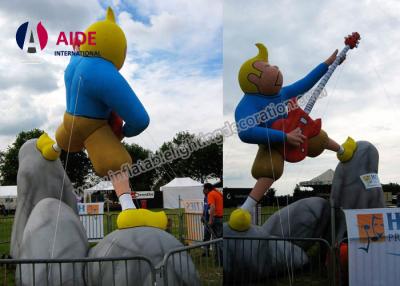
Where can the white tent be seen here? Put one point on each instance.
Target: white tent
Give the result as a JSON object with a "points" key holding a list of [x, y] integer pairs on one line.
{"points": [[8, 197], [325, 178], [102, 186], [181, 188], [8, 191]]}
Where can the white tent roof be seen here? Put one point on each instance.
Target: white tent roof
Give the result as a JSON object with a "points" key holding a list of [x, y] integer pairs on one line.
{"points": [[181, 189], [8, 191], [102, 186], [324, 179], [181, 182]]}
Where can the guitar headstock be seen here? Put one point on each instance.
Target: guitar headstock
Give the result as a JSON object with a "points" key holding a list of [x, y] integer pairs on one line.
{"points": [[352, 40]]}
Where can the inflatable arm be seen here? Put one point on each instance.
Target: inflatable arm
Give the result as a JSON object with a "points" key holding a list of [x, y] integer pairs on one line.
{"points": [[119, 96], [254, 134], [305, 84]]}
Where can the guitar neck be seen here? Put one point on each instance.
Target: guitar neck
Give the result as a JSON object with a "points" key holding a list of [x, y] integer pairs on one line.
{"points": [[317, 91]]}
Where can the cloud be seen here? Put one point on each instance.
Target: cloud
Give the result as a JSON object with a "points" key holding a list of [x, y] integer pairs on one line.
{"points": [[176, 29], [174, 64], [19, 113], [176, 100], [363, 99]]}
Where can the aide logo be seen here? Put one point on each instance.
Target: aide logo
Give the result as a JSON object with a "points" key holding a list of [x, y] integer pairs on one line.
{"points": [[33, 39], [371, 228]]}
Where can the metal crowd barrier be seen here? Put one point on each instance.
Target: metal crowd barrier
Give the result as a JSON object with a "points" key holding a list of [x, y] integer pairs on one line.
{"points": [[277, 261], [207, 259], [182, 266]]}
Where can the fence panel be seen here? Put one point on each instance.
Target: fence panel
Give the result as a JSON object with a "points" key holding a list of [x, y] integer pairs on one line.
{"points": [[86, 271], [175, 225], [192, 228], [277, 261], [204, 268]]}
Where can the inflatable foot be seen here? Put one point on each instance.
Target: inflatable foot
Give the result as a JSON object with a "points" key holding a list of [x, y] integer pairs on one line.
{"points": [[349, 147], [45, 146], [240, 220], [141, 217]]}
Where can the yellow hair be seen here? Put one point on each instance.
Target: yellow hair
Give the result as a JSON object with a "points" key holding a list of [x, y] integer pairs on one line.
{"points": [[247, 68], [110, 40]]}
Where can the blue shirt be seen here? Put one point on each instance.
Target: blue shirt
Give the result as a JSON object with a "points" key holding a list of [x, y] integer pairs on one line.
{"points": [[206, 207], [102, 89], [253, 103]]}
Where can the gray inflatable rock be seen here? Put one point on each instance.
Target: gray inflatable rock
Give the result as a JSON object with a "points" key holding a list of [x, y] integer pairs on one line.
{"points": [[255, 259], [40, 240], [348, 190], [37, 179], [150, 242], [306, 218]]}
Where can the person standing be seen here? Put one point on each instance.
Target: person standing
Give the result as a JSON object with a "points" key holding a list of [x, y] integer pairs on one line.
{"points": [[216, 209], [215, 202]]}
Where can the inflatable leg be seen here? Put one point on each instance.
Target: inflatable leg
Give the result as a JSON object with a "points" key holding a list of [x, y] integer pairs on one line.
{"points": [[141, 217], [349, 147], [45, 146], [240, 220]]}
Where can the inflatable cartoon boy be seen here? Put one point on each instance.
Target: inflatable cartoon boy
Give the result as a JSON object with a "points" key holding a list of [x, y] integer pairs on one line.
{"points": [[95, 91], [262, 84]]}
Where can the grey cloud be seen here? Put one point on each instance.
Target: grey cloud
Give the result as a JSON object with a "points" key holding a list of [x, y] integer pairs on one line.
{"points": [[37, 78], [57, 14]]}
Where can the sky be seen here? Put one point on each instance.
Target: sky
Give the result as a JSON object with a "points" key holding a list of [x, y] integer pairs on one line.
{"points": [[182, 62], [362, 96], [174, 64]]}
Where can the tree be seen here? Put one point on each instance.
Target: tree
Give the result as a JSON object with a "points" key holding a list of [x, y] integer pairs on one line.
{"points": [[394, 188], [144, 181], [200, 164], [9, 162], [77, 168], [270, 195]]}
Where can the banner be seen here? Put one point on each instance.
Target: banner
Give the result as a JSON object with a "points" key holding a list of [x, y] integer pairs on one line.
{"points": [[193, 206], [374, 246], [91, 216], [194, 226], [142, 195]]}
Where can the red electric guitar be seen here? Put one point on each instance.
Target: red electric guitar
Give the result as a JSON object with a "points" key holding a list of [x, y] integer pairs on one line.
{"points": [[300, 118]]}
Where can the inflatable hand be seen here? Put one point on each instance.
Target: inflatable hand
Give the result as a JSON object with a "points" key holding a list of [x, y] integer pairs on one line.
{"points": [[116, 123]]}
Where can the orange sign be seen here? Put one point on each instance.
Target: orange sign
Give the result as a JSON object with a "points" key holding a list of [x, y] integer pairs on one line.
{"points": [[371, 227], [92, 209]]}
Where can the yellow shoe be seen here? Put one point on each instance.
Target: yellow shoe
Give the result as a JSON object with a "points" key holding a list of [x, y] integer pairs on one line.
{"points": [[141, 217], [240, 220], [45, 146], [349, 147]]}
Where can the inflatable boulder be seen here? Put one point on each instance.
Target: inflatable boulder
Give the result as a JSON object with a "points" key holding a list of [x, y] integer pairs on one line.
{"points": [[40, 240], [150, 242], [306, 218], [355, 184], [254, 259], [37, 179]]}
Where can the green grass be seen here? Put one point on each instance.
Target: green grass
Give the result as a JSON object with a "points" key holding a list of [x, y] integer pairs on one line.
{"points": [[209, 270]]}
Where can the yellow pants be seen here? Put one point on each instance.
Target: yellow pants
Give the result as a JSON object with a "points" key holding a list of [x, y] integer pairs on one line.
{"points": [[270, 164], [106, 152]]}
